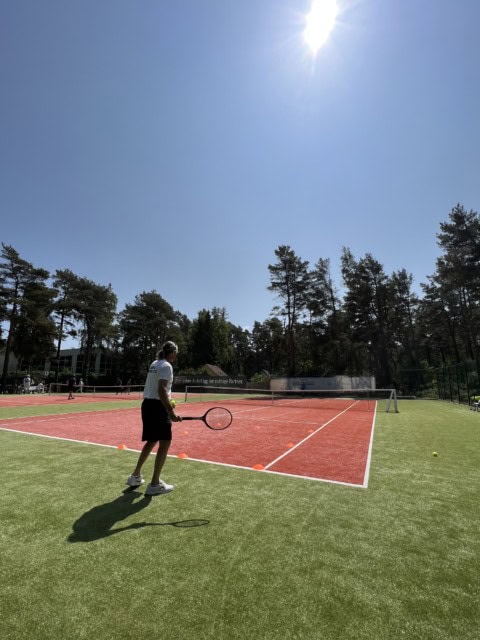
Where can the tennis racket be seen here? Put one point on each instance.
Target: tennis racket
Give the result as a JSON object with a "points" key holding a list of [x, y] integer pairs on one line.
{"points": [[216, 418]]}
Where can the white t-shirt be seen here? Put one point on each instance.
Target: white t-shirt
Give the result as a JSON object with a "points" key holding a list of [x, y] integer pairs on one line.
{"points": [[159, 370]]}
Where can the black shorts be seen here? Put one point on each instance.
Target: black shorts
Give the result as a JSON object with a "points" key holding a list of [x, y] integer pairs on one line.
{"points": [[156, 421]]}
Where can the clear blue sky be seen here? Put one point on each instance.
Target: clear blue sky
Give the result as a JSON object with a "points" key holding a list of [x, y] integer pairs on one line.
{"points": [[174, 145]]}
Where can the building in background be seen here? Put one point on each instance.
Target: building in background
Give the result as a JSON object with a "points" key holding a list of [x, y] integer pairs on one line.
{"points": [[70, 361]]}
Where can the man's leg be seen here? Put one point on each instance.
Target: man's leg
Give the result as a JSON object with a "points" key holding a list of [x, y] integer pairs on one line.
{"points": [[160, 458], [146, 451]]}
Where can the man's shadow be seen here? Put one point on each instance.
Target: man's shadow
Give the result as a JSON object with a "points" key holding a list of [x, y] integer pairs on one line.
{"points": [[98, 522]]}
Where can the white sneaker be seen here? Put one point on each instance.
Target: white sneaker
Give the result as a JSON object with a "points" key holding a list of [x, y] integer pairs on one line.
{"points": [[135, 481], [161, 487]]}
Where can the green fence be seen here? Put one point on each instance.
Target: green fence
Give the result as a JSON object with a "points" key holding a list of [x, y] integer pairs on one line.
{"points": [[456, 383]]}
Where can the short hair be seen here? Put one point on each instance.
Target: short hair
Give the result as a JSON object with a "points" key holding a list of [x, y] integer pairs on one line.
{"points": [[168, 347]]}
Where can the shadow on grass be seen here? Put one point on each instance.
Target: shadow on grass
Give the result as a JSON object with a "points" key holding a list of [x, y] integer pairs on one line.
{"points": [[98, 522]]}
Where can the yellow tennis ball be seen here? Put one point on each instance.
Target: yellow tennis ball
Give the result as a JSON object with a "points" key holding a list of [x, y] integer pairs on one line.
{"points": [[173, 403], [434, 454]]}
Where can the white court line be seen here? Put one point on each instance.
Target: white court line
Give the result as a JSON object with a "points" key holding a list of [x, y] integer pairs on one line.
{"points": [[221, 464], [270, 464], [366, 477], [43, 435], [269, 419], [276, 473]]}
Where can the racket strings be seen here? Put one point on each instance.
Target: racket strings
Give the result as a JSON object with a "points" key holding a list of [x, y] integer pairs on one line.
{"points": [[218, 418]]}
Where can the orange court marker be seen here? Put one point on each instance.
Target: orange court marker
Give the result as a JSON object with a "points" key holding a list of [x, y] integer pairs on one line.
{"points": [[182, 455], [258, 467], [121, 446], [290, 445]]}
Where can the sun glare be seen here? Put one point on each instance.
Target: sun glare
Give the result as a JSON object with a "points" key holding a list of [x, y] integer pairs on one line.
{"points": [[320, 22]]}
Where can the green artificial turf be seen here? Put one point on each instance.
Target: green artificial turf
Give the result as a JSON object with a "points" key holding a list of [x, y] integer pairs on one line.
{"points": [[265, 556], [28, 411]]}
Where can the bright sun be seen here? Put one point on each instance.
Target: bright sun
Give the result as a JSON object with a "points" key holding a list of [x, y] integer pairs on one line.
{"points": [[319, 23]]}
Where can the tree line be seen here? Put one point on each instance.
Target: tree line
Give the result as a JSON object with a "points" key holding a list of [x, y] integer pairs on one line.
{"points": [[378, 326]]}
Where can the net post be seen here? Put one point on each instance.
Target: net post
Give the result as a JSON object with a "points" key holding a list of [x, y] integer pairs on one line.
{"points": [[392, 399]]}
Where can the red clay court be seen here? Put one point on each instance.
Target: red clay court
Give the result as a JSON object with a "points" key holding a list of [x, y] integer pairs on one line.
{"points": [[330, 444]]}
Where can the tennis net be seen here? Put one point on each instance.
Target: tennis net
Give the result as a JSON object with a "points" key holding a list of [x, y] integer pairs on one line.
{"points": [[114, 392], [335, 399]]}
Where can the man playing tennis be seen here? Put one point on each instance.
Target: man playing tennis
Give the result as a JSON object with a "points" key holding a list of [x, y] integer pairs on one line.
{"points": [[157, 417]]}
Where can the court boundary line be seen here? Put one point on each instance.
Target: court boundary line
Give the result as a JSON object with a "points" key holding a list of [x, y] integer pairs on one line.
{"points": [[366, 476], [277, 473], [310, 435], [45, 435], [221, 464]]}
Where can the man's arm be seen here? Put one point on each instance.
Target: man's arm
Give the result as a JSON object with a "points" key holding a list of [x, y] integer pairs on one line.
{"points": [[163, 395]]}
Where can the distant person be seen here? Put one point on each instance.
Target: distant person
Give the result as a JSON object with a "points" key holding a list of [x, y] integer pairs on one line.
{"points": [[119, 385], [72, 383], [27, 381], [80, 386], [157, 417]]}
